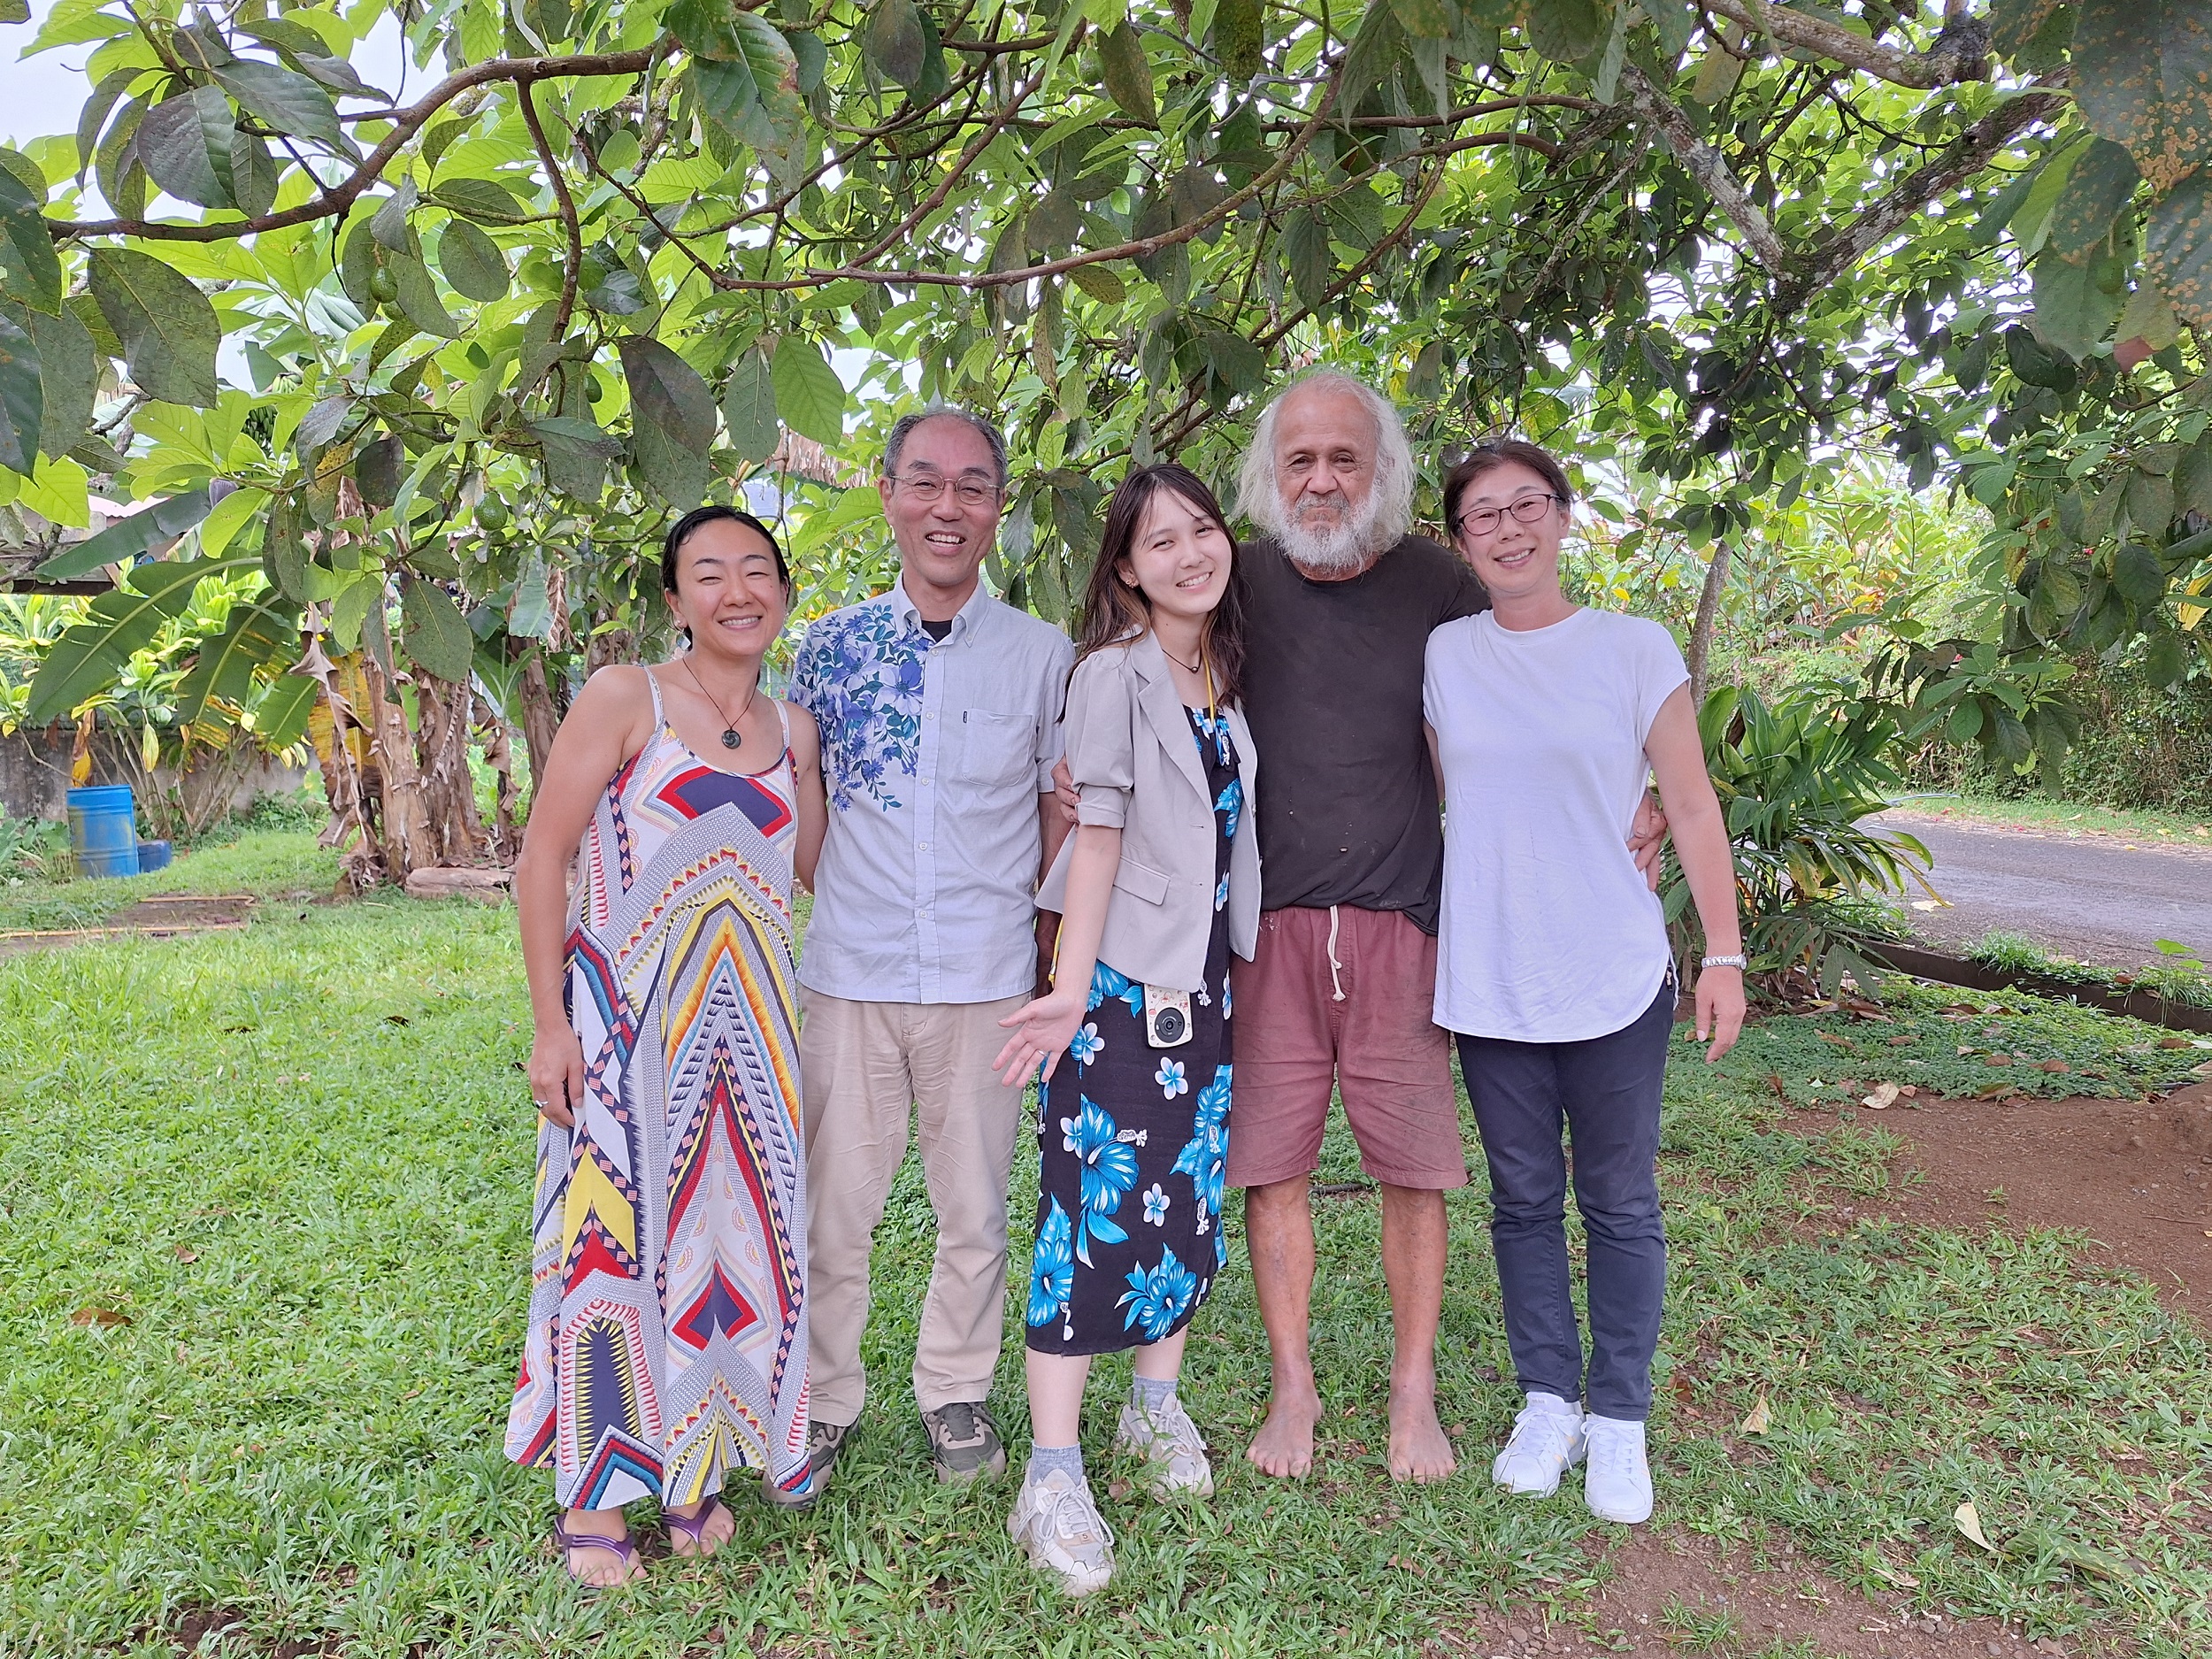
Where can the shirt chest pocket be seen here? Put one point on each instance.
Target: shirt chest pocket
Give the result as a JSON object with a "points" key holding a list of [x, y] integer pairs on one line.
{"points": [[996, 749]]}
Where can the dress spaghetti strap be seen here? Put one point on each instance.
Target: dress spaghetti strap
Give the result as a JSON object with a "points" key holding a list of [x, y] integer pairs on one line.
{"points": [[660, 719]]}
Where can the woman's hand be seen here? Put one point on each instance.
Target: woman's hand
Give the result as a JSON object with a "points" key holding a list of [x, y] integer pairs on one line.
{"points": [[1043, 1029], [556, 1073], [1719, 1009]]}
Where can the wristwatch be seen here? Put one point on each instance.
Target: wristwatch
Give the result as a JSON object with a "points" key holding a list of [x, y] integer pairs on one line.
{"points": [[1737, 961]]}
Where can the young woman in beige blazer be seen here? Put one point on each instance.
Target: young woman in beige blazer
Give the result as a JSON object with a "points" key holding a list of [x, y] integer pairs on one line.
{"points": [[1159, 883]]}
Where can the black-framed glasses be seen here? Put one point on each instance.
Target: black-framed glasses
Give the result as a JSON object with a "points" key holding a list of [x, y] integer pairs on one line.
{"points": [[1525, 509], [928, 488]]}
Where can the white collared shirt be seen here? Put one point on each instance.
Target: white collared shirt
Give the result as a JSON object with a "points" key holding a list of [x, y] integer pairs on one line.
{"points": [[934, 753]]}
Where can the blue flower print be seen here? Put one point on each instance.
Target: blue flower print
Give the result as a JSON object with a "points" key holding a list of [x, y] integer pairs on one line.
{"points": [[859, 674], [1225, 982], [1171, 1079], [1230, 801], [1214, 726], [1156, 1299], [1052, 1269], [1106, 983], [1155, 1203], [1221, 894], [1221, 1250], [1205, 1156], [1087, 1045], [1109, 1170]]}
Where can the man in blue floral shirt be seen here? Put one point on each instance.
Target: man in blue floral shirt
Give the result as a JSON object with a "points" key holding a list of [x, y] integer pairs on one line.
{"points": [[940, 710]]}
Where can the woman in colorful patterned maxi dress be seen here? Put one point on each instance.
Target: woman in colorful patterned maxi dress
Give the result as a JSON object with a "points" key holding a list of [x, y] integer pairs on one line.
{"points": [[667, 1335]]}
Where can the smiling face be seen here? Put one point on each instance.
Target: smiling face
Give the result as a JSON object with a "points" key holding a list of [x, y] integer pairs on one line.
{"points": [[1179, 557], [1515, 560], [728, 595], [941, 542]]}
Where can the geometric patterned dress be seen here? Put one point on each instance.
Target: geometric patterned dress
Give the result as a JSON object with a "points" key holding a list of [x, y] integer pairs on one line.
{"points": [[667, 1337]]}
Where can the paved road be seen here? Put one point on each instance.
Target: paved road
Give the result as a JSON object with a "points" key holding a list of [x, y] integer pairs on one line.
{"points": [[2091, 897]]}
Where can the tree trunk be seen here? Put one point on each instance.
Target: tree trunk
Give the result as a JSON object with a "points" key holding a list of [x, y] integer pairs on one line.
{"points": [[450, 810], [540, 716], [499, 754], [1701, 630], [407, 841]]}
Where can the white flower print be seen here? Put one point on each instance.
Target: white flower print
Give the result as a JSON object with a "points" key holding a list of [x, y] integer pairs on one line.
{"points": [[1171, 1079], [1155, 1202], [1087, 1045], [1068, 1142]]}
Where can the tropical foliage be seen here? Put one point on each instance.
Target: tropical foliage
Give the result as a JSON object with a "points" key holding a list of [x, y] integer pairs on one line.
{"points": [[440, 365]]}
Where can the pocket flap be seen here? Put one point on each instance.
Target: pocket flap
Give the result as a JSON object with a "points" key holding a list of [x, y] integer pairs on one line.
{"points": [[1141, 881]]}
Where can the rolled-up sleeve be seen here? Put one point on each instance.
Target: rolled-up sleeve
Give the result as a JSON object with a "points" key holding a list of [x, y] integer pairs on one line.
{"points": [[1051, 707], [1101, 751]]}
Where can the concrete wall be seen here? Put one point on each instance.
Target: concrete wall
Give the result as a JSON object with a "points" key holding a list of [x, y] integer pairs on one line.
{"points": [[34, 776]]}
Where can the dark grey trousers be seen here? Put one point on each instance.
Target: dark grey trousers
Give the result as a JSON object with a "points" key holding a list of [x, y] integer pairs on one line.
{"points": [[1604, 1093]]}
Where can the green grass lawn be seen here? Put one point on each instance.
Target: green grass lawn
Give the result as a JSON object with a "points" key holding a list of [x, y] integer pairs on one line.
{"points": [[264, 1269], [2144, 827]]}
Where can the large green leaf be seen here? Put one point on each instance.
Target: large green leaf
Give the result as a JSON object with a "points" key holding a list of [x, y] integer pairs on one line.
{"points": [[127, 538], [471, 262], [2096, 192], [707, 28], [434, 632], [286, 99], [574, 454], [167, 330], [2078, 301], [2142, 76], [258, 635], [29, 269], [68, 378], [184, 143], [22, 398], [1128, 72], [810, 397], [92, 653], [418, 300], [748, 407], [281, 717], [894, 41], [2178, 246], [671, 415]]}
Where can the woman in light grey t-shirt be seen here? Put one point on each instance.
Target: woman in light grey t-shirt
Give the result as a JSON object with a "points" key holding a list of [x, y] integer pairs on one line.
{"points": [[1553, 965]]}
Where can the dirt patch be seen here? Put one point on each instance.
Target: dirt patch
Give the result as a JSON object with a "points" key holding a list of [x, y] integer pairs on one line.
{"points": [[1671, 1594], [162, 916], [2135, 1175]]}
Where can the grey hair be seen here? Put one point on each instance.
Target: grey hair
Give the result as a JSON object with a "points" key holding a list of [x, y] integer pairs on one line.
{"points": [[1260, 501], [894, 445]]}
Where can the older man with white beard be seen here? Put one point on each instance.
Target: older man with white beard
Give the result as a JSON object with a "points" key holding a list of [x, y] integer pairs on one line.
{"points": [[1340, 602]]}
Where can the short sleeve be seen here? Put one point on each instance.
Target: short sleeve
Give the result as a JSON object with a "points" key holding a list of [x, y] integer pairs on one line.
{"points": [[806, 672], [1657, 668], [1101, 739], [1052, 696]]}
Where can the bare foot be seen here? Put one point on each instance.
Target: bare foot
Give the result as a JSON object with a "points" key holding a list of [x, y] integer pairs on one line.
{"points": [[1419, 1450], [596, 1546], [1284, 1446], [705, 1539]]}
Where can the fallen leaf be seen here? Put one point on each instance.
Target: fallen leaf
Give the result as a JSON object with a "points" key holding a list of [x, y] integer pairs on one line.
{"points": [[1909, 1092], [106, 1318], [1904, 1580], [1969, 1521], [1966, 1049], [2054, 1066], [185, 1253], [1881, 1099], [1997, 1059], [397, 1019], [1774, 1082], [1830, 1036], [1902, 1043], [1759, 1420]]}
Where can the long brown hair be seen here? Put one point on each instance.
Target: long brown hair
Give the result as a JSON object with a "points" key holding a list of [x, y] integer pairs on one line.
{"points": [[1115, 613]]}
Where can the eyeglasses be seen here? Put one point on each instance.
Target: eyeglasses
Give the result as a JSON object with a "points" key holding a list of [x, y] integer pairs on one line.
{"points": [[928, 488], [1525, 509]]}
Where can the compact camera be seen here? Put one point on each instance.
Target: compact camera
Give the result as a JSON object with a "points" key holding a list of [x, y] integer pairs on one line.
{"points": [[1166, 1017]]}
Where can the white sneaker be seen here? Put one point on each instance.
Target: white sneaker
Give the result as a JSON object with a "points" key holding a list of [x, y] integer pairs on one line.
{"points": [[1056, 1521], [1547, 1442], [1617, 1483], [1171, 1443]]}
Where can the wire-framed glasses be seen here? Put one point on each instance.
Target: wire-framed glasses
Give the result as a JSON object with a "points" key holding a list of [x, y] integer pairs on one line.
{"points": [[1525, 509], [927, 487]]}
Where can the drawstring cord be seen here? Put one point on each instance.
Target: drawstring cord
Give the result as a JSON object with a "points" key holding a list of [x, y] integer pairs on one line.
{"points": [[1335, 984]]}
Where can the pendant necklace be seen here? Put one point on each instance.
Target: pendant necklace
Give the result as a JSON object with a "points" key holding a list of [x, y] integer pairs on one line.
{"points": [[730, 737]]}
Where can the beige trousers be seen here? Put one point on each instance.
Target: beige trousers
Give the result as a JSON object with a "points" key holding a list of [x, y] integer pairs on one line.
{"points": [[865, 1067]]}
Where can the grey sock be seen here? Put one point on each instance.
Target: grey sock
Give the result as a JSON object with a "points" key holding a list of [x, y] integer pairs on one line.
{"points": [[1044, 1459], [1149, 1395]]}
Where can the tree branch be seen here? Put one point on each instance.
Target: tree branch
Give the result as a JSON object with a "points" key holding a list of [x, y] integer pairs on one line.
{"points": [[1961, 52], [336, 198], [1708, 166], [552, 164]]}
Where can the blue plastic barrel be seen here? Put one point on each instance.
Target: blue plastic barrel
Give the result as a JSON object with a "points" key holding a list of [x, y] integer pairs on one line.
{"points": [[152, 855], [103, 831]]}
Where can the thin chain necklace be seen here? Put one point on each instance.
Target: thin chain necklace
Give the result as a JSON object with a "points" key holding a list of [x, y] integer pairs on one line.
{"points": [[730, 737]]}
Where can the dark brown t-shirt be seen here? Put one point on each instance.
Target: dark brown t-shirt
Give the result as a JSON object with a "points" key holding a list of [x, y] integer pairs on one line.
{"points": [[1348, 809]]}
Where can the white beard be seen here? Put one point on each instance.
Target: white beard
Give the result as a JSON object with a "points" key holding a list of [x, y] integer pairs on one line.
{"points": [[1344, 550]]}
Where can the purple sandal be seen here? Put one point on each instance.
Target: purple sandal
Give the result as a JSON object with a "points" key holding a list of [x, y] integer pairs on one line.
{"points": [[568, 1540], [694, 1527]]}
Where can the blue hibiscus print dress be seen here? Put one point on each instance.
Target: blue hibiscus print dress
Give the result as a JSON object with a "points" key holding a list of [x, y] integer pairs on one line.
{"points": [[1133, 1140]]}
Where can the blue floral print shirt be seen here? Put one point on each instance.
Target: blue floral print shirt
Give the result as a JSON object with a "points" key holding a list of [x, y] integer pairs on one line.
{"points": [[934, 753]]}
